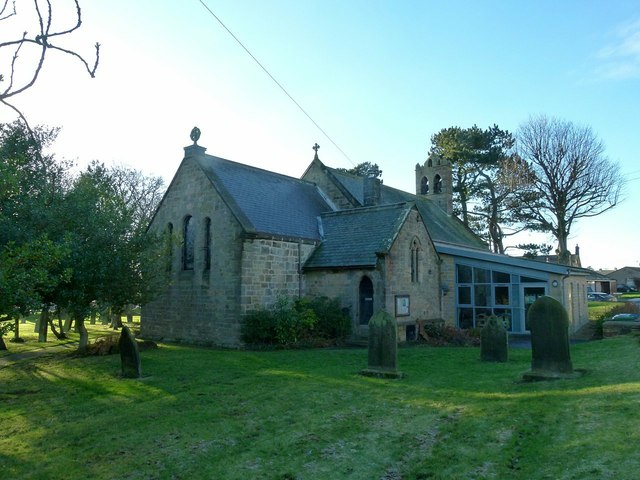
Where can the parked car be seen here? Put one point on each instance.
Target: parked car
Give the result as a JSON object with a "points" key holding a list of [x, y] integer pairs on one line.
{"points": [[626, 289], [627, 317], [601, 297]]}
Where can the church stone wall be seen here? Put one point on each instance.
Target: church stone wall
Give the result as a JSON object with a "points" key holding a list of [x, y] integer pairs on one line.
{"points": [[271, 269], [423, 292], [448, 283], [200, 305]]}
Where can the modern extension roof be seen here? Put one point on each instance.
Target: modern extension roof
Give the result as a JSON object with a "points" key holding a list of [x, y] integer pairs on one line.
{"points": [[354, 238], [266, 203], [442, 227]]}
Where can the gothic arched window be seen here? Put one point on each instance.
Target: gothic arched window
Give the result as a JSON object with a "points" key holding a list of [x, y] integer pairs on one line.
{"points": [[415, 261], [207, 243], [188, 243]]}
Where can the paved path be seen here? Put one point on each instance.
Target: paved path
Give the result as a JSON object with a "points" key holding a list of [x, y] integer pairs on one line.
{"points": [[8, 360]]}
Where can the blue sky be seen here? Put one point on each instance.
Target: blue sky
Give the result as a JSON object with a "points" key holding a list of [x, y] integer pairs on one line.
{"points": [[380, 77]]}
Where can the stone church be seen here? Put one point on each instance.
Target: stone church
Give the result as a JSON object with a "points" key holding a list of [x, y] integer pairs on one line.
{"points": [[247, 236]]}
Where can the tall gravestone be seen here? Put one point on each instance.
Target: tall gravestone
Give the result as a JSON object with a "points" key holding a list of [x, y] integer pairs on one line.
{"points": [[550, 355], [494, 342], [129, 354], [383, 347]]}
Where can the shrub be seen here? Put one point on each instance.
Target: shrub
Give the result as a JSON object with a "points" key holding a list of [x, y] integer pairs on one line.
{"points": [[440, 335], [301, 321], [333, 321]]}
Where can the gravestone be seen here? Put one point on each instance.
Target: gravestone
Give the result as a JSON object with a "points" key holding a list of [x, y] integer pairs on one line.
{"points": [[129, 354], [494, 342], [383, 347], [550, 355]]}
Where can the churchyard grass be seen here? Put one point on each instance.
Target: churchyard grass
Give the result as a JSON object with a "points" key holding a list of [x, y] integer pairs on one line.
{"points": [[225, 414]]}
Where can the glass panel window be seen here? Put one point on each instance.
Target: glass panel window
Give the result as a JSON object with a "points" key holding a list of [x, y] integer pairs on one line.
{"points": [[480, 275], [464, 295], [501, 295], [481, 295], [464, 274], [501, 277]]}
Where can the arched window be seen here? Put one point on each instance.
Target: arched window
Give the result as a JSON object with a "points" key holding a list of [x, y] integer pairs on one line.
{"points": [[424, 186], [437, 184], [415, 261], [429, 162], [207, 243], [169, 246], [366, 300], [188, 243]]}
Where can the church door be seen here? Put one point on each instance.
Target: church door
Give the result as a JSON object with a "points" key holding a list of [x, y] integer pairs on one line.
{"points": [[366, 300]]}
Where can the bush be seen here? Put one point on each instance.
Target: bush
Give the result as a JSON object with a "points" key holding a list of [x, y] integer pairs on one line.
{"points": [[441, 335], [296, 322], [333, 321]]}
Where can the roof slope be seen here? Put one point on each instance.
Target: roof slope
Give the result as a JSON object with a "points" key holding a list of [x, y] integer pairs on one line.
{"points": [[442, 227], [266, 202], [353, 238]]}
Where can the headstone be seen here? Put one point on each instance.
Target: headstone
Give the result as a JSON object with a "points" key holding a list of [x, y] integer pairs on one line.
{"points": [[383, 347], [129, 354], [550, 354], [494, 341]]}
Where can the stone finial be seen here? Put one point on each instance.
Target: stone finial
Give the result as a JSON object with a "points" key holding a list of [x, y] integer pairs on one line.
{"points": [[195, 135], [316, 147]]}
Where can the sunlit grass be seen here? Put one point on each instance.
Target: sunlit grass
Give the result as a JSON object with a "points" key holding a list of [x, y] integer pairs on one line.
{"points": [[204, 413]]}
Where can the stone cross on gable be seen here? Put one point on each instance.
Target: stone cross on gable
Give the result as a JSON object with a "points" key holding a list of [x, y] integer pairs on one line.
{"points": [[316, 147]]}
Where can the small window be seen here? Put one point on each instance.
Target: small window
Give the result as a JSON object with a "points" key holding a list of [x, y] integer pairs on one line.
{"points": [[437, 184], [188, 244], [207, 243], [169, 246], [424, 186], [415, 261]]}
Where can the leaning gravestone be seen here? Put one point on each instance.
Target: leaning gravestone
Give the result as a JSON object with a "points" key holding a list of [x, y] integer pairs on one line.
{"points": [[494, 343], [383, 347], [550, 355], [129, 354]]}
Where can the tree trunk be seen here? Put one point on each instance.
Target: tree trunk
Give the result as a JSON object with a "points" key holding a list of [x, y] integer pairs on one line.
{"points": [[93, 318], [43, 324], [84, 335], [59, 335], [3, 346], [116, 321], [16, 330]]}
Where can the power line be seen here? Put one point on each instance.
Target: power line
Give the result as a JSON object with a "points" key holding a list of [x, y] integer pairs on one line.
{"points": [[275, 81]]}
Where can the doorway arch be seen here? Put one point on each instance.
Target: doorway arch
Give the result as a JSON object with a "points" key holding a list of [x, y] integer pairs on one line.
{"points": [[366, 300]]}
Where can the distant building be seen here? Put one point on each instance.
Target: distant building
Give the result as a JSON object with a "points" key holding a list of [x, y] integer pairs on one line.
{"points": [[629, 276], [248, 236]]}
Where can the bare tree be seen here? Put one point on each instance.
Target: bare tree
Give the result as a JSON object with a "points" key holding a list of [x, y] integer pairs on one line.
{"points": [[19, 76], [573, 178]]}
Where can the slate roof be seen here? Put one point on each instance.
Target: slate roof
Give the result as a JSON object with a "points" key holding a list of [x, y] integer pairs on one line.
{"points": [[266, 203], [353, 238], [442, 227]]}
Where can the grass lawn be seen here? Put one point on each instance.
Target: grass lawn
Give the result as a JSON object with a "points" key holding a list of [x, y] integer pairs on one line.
{"points": [[221, 414]]}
